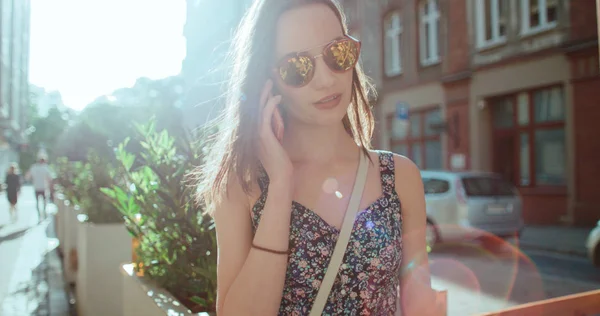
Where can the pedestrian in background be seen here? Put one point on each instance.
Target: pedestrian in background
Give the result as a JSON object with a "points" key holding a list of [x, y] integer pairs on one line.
{"points": [[13, 187], [41, 178]]}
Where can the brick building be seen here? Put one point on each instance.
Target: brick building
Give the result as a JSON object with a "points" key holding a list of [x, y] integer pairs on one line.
{"points": [[511, 86]]}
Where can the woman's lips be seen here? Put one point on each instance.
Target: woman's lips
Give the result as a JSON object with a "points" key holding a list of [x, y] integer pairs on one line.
{"points": [[329, 102]]}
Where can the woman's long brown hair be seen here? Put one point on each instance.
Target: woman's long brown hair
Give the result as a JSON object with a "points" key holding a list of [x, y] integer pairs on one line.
{"points": [[234, 148]]}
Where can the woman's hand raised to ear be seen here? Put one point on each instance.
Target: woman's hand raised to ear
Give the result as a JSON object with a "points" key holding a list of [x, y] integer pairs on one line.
{"points": [[250, 279], [272, 155]]}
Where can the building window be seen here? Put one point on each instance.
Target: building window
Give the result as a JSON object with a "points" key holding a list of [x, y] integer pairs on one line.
{"points": [[538, 15], [529, 137], [492, 20], [421, 143], [392, 44], [429, 32]]}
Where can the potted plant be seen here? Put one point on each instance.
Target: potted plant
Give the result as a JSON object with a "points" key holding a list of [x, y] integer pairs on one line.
{"points": [[102, 239], [67, 215], [176, 252]]}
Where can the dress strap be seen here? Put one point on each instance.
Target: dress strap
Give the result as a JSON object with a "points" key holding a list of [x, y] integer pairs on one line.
{"points": [[386, 169]]}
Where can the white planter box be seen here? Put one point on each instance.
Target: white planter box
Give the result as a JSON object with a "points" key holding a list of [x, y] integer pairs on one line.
{"points": [[101, 248], [69, 224], [59, 222], [141, 297]]}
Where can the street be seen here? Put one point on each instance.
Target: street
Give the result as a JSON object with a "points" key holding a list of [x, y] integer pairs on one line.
{"points": [[492, 275], [30, 272], [479, 276]]}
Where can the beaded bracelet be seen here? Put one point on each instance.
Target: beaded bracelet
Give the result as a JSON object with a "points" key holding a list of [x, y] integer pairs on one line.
{"points": [[277, 252]]}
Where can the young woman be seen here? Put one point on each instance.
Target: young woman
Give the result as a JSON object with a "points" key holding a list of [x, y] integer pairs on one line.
{"points": [[281, 173], [13, 187]]}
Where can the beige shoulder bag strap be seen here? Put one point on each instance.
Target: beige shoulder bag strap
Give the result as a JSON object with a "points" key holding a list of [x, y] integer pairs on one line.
{"points": [[343, 238]]}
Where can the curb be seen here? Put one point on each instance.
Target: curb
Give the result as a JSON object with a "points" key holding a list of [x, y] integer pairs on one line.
{"points": [[570, 252]]}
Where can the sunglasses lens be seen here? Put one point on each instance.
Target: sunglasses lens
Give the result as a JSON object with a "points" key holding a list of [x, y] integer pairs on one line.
{"points": [[341, 55], [297, 70]]}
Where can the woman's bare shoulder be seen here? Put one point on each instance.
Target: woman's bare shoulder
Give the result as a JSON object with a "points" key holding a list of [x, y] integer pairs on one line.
{"points": [[403, 167], [409, 187], [235, 198], [407, 172]]}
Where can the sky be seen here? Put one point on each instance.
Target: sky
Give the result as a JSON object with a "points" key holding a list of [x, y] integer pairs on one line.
{"points": [[89, 48]]}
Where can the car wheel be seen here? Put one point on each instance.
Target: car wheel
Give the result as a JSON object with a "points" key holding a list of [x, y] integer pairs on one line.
{"points": [[431, 236]]}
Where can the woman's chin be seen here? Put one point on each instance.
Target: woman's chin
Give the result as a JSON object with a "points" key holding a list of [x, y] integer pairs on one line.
{"points": [[327, 117], [325, 120]]}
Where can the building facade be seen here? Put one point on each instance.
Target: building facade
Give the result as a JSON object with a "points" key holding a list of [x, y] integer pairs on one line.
{"points": [[509, 86], [208, 31], [14, 81]]}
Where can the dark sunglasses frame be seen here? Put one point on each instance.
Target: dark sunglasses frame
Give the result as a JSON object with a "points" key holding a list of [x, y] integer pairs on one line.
{"points": [[305, 53]]}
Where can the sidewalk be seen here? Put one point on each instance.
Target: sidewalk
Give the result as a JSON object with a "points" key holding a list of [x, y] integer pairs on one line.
{"points": [[561, 239], [31, 279]]}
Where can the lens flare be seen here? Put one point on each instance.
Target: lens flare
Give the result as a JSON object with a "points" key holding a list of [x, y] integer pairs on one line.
{"points": [[483, 272]]}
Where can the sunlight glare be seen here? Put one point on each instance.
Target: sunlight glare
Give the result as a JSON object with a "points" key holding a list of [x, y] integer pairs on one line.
{"points": [[87, 49]]}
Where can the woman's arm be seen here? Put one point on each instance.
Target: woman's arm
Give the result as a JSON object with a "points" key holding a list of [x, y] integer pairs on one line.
{"points": [[417, 296], [250, 281]]}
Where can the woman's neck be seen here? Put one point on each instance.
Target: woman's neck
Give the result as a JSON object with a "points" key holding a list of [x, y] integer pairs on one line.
{"points": [[319, 144]]}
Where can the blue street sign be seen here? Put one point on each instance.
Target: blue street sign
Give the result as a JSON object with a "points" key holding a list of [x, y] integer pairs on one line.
{"points": [[400, 122], [401, 111]]}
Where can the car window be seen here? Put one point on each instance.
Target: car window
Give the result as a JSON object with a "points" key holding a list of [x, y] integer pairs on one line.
{"points": [[435, 186], [487, 186]]}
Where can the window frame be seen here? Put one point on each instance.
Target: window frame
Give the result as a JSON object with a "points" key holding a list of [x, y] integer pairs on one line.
{"points": [[480, 19], [427, 179], [393, 68], [422, 139], [517, 129], [432, 19], [526, 28]]}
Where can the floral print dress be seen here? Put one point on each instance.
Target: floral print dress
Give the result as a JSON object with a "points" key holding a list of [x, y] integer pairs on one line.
{"points": [[367, 283]]}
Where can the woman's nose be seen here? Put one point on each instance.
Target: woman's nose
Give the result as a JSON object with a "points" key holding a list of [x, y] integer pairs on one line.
{"points": [[323, 78]]}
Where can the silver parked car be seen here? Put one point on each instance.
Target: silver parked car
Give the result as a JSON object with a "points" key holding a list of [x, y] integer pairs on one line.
{"points": [[593, 245], [467, 205]]}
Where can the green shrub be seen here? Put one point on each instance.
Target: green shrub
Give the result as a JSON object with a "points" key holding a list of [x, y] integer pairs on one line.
{"points": [[81, 181], [177, 242]]}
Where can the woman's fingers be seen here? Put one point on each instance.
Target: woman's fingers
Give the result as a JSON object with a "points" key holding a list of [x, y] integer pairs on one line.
{"points": [[264, 96], [269, 110], [278, 123], [268, 102]]}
